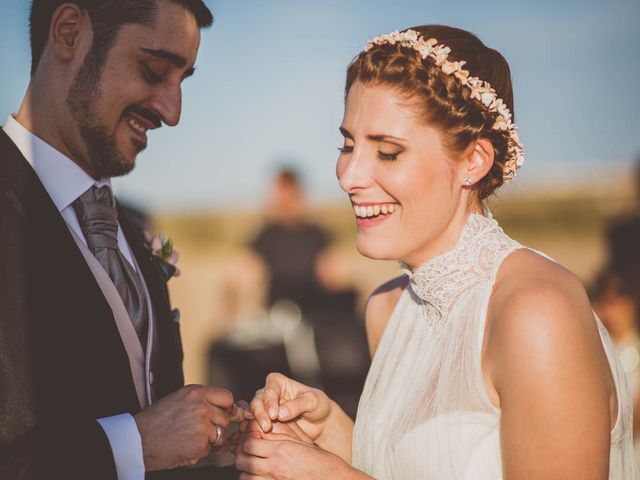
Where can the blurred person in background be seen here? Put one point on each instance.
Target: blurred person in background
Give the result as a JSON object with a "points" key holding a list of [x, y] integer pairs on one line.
{"points": [[618, 308], [310, 329], [290, 245], [623, 243]]}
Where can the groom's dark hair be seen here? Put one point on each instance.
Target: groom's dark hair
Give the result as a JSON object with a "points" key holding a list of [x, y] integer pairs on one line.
{"points": [[107, 18]]}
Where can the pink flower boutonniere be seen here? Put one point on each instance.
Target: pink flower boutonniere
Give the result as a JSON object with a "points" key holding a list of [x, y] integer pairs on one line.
{"points": [[165, 257]]}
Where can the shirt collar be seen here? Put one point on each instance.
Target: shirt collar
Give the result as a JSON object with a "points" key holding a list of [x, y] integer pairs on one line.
{"points": [[63, 179]]}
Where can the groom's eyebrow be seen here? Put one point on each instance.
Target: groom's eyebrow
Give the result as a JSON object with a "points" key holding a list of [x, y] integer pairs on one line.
{"points": [[178, 60]]}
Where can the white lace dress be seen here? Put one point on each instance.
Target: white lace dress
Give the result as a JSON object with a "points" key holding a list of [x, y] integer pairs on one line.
{"points": [[425, 412]]}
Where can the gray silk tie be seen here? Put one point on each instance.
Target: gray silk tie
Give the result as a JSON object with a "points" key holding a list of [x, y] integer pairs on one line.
{"points": [[98, 217]]}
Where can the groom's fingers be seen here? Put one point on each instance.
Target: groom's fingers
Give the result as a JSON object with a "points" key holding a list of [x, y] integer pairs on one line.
{"points": [[218, 397], [238, 412]]}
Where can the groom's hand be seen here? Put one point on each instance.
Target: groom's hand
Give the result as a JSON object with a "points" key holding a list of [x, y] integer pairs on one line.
{"points": [[180, 428]]}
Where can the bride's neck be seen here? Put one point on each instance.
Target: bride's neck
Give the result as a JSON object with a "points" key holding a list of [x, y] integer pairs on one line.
{"points": [[446, 240]]}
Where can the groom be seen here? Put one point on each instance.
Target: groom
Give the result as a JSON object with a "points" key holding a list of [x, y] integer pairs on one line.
{"points": [[91, 383]]}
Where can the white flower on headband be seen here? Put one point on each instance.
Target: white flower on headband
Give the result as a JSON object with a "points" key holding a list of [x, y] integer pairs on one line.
{"points": [[452, 67], [480, 90]]}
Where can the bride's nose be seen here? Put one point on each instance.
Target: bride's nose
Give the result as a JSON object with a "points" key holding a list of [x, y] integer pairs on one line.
{"points": [[354, 171]]}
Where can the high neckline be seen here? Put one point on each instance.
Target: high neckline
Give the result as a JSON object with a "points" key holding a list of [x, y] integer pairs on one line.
{"points": [[444, 278]]}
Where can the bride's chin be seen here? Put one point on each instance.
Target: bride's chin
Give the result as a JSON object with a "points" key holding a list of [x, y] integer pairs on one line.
{"points": [[374, 251]]}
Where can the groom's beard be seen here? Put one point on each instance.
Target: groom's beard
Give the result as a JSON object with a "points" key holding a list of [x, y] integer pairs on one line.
{"points": [[103, 156]]}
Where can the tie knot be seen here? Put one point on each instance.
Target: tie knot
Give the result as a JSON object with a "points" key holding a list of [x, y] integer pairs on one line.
{"points": [[98, 217]]}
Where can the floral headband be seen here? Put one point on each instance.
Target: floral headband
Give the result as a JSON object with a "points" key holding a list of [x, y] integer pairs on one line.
{"points": [[480, 90]]}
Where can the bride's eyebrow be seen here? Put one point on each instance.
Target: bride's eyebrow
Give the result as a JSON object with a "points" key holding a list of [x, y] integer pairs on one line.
{"points": [[375, 137], [385, 138]]}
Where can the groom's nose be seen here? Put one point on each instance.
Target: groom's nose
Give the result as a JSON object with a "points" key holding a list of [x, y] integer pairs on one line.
{"points": [[167, 102]]}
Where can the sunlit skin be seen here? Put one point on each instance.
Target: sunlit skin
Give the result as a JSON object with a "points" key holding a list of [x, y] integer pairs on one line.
{"points": [[391, 157], [542, 359], [141, 81]]}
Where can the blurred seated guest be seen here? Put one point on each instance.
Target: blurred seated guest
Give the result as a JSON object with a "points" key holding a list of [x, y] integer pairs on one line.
{"points": [[309, 329], [618, 308]]}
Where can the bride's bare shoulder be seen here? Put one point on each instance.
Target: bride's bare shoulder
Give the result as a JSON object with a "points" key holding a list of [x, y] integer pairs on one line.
{"points": [[545, 366], [539, 316], [527, 275], [531, 285], [380, 306]]}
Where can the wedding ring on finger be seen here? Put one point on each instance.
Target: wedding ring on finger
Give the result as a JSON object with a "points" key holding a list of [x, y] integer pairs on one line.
{"points": [[218, 435]]}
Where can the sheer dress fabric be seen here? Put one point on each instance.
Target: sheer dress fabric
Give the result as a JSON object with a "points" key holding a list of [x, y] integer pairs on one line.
{"points": [[425, 412]]}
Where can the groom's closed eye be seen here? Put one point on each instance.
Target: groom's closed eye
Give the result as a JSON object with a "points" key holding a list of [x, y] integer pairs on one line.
{"points": [[171, 58], [150, 76]]}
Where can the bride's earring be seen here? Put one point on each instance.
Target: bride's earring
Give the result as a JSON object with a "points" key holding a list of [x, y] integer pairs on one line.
{"points": [[467, 181]]}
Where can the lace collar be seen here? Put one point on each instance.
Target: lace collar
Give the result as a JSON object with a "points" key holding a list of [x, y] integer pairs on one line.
{"points": [[443, 279]]}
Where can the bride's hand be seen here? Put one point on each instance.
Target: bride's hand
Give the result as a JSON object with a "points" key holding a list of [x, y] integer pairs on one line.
{"points": [[283, 399], [283, 458], [278, 429]]}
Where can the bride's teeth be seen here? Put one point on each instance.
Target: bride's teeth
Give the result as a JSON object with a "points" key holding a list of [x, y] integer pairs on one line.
{"points": [[373, 210]]}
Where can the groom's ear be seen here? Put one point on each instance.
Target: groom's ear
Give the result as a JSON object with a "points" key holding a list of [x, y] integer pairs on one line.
{"points": [[69, 27]]}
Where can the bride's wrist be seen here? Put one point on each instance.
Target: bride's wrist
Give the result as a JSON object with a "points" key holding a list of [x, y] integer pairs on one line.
{"points": [[336, 432]]}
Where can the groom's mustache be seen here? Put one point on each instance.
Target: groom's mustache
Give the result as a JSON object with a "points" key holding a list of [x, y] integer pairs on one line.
{"points": [[145, 113]]}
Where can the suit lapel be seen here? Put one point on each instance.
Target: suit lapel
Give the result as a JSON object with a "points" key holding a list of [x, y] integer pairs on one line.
{"points": [[168, 367], [77, 349]]}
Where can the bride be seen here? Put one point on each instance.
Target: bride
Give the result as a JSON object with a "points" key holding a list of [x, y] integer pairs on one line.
{"points": [[488, 361]]}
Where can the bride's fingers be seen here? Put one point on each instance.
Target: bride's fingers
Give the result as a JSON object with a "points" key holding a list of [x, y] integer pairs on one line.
{"points": [[271, 396], [265, 447], [291, 430], [298, 432], [250, 476], [251, 426], [259, 411], [251, 464], [304, 403]]}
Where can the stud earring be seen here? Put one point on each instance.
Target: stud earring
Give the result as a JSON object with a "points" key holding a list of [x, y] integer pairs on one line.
{"points": [[467, 181]]}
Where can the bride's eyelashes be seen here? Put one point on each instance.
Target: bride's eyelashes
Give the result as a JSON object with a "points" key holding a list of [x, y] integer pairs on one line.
{"points": [[388, 157]]}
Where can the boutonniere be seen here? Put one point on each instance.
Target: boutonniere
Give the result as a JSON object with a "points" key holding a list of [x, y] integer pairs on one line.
{"points": [[165, 257]]}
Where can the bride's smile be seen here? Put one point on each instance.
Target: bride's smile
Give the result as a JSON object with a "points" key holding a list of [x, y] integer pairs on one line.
{"points": [[406, 189]]}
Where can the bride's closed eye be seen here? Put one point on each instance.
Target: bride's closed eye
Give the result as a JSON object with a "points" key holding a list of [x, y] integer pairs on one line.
{"points": [[388, 157], [345, 149]]}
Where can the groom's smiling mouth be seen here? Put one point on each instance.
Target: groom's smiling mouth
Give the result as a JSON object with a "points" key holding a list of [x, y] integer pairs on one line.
{"points": [[141, 120]]}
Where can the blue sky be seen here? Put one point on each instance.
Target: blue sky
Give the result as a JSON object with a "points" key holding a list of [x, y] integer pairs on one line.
{"points": [[270, 81]]}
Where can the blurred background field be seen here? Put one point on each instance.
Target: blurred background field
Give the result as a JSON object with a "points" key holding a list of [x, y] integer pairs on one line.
{"points": [[566, 222]]}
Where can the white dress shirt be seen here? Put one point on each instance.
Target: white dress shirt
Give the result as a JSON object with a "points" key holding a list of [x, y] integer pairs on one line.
{"points": [[65, 181]]}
